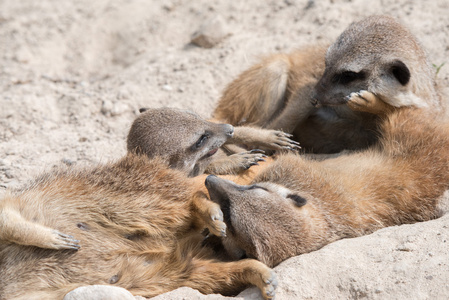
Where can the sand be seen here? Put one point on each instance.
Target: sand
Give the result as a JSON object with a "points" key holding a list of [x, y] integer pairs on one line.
{"points": [[73, 75]]}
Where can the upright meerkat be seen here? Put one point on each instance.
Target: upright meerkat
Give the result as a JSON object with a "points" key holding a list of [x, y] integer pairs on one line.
{"points": [[295, 205], [138, 223], [189, 142], [305, 92]]}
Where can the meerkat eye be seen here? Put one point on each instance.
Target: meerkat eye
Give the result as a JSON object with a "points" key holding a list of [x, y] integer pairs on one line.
{"points": [[297, 200], [254, 186], [347, 77], [198, 144]]}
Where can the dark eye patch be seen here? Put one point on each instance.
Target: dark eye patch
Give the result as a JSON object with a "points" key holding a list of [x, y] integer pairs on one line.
{"points": [[298, 200], [400, 72], [347, 77]]}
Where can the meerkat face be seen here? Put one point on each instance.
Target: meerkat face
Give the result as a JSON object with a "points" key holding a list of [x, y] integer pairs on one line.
{"points": [[260, 218], [376, 54], [184, 139]]}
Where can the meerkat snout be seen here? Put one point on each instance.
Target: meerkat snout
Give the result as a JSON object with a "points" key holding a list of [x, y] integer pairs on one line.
{"points": [[229, 129]]}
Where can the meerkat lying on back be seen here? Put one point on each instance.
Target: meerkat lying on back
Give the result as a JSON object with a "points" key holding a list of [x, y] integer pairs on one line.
{"points": [[295, 205], [189, 142], [305, 92], [139, 223], [182, 139]]}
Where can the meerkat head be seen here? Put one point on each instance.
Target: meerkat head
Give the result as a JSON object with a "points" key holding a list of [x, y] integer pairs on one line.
{"points": [[181, 137], [262, 219], [378, 55]]}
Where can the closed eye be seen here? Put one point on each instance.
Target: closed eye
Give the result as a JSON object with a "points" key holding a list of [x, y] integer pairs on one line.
{"points": [[347, 77], [297, 200], [201, 141], [255, 186]]}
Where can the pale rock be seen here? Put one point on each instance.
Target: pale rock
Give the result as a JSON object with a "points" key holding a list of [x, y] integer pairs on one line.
{"points": [[99, 292], [210, 33]]}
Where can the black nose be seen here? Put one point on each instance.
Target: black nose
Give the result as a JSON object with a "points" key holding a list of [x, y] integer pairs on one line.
{"points": [[315, 102], [314, 99], [209, 180], [229, 130]]}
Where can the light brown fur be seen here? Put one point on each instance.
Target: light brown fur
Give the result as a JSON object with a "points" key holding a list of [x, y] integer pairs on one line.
{"points": [[295, 205], [182, 139], [189, 142], [138, 223], [305, 92]]}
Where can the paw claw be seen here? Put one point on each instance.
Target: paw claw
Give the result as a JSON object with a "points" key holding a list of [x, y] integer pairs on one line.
{"points": [[254, 151], [64, 241]]}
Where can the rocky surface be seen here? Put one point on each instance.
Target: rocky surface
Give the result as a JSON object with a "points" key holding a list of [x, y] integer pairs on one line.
{"points": [[73, 75]]}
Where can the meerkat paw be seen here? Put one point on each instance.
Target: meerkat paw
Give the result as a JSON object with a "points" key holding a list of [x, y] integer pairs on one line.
{"points": [[235, 163], [59, 240], [245, 160], [271, 282], [216, 224], [24, 232], [279, 140], [266, 280], [208, 214], [267, 139], [367, 102]]}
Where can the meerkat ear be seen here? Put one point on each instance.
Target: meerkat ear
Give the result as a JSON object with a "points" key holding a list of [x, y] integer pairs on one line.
{"points": [[143, 109], [400, 71]]}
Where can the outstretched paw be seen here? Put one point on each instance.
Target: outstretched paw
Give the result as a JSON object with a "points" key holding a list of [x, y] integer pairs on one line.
{"points": [[63, 241], [367, 102], [279, 140]]}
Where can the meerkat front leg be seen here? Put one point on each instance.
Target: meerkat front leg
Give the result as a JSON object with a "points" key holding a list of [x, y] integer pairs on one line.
{"points": [[251, 137], [208, 214], [236, 163], [367, 102], [15, 229], [264, 138]]}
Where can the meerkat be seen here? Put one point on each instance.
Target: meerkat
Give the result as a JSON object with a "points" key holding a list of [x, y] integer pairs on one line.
{"points": [[183, 139], [296, 205], [189, 143], [139, 224], [305, 92]]}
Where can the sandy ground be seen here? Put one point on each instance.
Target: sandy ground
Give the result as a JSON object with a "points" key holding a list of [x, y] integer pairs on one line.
{"points": [[74, 73]]}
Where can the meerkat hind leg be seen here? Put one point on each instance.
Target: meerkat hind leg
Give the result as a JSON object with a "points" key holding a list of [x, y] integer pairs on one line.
{"points": [[14, 228], [212, 277]]}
